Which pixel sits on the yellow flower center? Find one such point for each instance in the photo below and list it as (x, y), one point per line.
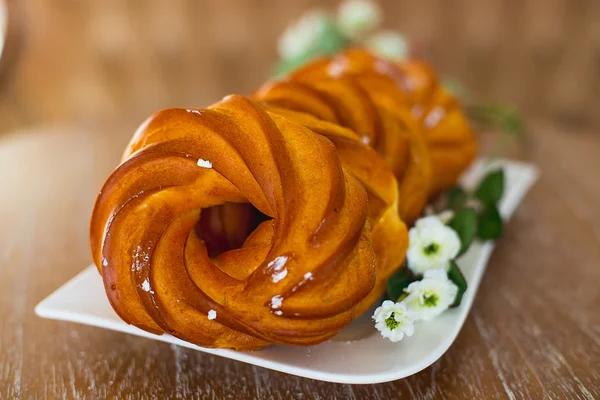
(431, 248)
(430, 299)
(391, 322)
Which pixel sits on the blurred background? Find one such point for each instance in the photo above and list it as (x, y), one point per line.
(72, 62)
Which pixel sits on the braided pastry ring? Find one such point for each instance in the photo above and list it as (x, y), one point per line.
(408, 87)
(157, 271)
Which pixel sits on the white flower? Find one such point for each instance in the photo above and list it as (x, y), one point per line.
(388, 44)
(298, 39)
(356, 17)
(430, 296)
(431, 245)
(393, 321)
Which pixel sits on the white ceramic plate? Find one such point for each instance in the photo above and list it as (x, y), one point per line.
(358, 354)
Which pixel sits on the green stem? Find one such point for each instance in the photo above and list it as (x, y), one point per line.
(496, 116)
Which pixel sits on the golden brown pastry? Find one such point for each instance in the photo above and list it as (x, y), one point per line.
(400, 110)
(389, 234)
(279, 219)
(408, 87)
(394, 134)
(195, 177)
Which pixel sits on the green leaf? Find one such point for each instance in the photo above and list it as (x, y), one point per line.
(328, 42)
(398, 282)
(494, 115)
(284, 67)
(512, 122)
(331, 40)
(456, 88)
(491, 188)
(457, 198)
(489, 224)
(459, 280)
(465, 225)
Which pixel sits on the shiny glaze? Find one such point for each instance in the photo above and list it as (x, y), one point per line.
(398, 109)
(156, 269)
(342, 102)
(410, 90)
(243, 224)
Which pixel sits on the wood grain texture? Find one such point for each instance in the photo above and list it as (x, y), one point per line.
(534, 331)
(90, 60)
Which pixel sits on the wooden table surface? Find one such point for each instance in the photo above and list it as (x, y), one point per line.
(534, 331)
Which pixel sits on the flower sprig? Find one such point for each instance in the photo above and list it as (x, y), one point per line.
(431, 281)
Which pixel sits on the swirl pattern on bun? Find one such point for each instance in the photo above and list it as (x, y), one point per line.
(295, 275)
(276, 219)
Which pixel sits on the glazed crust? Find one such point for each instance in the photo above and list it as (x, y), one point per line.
(392, 133)
(157, 272)
(409, 90)
(332, 159)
